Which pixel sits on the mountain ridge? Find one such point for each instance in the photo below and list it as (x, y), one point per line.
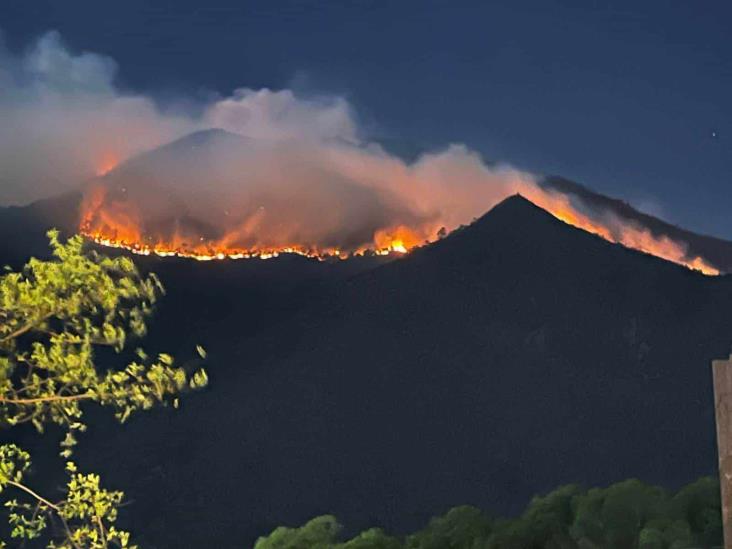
(715, 249)
(509, 357)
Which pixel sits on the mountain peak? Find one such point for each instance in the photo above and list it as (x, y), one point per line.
(202, 137)
(518, 234)
(515, 213)
(515, 204)
(185, 154)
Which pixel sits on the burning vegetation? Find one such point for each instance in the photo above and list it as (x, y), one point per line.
(116, 222)
(614, 229)
(217, 195)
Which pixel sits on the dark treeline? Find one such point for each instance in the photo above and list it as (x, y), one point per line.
(627, 515)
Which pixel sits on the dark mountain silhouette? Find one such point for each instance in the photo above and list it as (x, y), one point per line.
(194, 157)
(23, 228)
(716, 250)
(512, 356)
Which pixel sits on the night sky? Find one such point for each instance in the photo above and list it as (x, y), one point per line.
(630, 98)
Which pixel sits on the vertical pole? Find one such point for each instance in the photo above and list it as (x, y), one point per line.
(722, 372)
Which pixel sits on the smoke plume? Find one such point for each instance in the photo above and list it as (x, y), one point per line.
(66, 123)
(258, 171)
(63, 120)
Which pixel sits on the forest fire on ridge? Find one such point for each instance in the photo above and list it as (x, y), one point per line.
(117, 223)
(620, 231)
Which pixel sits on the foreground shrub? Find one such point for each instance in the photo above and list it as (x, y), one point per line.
(626, 515)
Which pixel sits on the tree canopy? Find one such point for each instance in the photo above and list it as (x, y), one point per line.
(54, 317)
(626, 515)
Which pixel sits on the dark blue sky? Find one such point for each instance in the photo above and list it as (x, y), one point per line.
(623, 96)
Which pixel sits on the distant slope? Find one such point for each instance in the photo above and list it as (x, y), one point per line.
(194, 153)
(514, 355)
(193, 158)
(716, 250)
(23, 228)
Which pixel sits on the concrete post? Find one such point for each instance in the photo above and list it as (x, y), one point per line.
(722, 372)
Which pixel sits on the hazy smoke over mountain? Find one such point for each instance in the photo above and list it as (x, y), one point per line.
(286, 171)
(314, 194)
(68, 123)
(62, 118)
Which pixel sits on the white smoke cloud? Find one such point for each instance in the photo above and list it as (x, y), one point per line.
(298, 171)
(275, 116)
(63, 120)
(321, 181)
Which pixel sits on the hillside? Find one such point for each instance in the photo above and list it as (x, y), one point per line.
(717, 251)
(512, 356)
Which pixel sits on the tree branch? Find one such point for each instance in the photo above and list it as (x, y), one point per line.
(30, 492)
(53, 506)
(26, 328)
(38, 400)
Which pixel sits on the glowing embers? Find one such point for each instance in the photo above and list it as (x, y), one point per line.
(157, 223)
(614, 229)
(112, 219)
(211, 254)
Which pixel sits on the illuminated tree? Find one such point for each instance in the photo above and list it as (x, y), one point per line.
(629, 514)
(322, 533)
(319, 533)
(457, 529)
(53, 316)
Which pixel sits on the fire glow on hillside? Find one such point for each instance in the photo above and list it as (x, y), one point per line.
(117, 223)
(620, 231)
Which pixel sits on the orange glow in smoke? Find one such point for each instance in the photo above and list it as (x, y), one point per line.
(106, 164)
(116, 223)
(620, 232)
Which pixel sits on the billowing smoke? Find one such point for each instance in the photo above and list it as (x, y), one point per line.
(302, 173)
(219, 191)
(258, 171)
(63, 120)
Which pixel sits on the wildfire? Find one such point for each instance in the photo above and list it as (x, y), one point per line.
(113, 223)
(620, 232)
(211, 250)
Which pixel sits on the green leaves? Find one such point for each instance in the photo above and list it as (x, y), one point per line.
(87, 512)
(54, 315)
(200, 380)
(201, 351)
(14, 462)
(626, 514)
(319, 533)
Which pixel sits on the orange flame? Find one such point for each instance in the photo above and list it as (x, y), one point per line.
(115, 223)
(620, 232)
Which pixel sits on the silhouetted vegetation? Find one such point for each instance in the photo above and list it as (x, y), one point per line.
(483, 369)
(54, 316)
(626, 515)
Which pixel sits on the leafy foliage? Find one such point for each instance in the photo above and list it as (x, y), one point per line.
(457, 529)
(626, 515)
(54, 315)
(322, 533)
